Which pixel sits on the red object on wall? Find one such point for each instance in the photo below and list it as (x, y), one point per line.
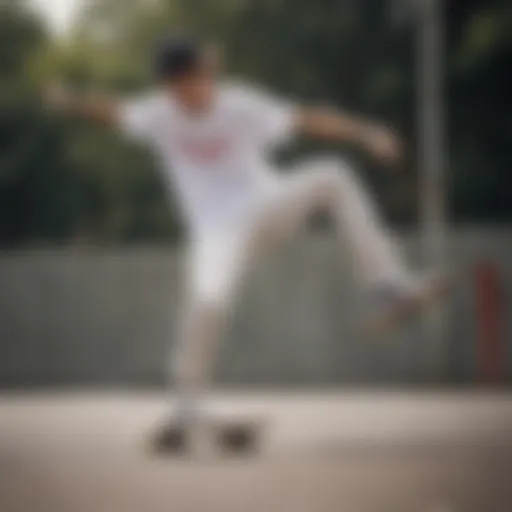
(490, 322)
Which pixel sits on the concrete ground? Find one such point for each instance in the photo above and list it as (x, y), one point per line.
(337, 452)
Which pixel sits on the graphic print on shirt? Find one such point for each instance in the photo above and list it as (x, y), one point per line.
(204, 150)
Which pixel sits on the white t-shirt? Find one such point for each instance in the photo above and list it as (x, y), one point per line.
(217, 163)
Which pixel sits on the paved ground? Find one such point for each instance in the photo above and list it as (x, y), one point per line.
(324, 453)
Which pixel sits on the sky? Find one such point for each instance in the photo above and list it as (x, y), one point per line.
(58, 13)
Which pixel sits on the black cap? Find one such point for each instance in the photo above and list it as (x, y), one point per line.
(177, 56)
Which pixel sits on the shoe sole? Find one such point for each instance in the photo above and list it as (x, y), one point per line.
(385, 323)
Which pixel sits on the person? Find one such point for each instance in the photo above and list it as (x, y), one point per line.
(214, 139)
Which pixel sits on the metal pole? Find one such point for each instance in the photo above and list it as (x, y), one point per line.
(431, 147)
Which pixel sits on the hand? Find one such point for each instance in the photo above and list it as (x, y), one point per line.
(383, 144)
(58, 97)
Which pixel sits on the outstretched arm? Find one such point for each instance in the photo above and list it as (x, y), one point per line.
(135, 118)
(98, 108)
(335, 126)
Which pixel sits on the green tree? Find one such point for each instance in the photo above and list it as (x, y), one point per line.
(31, 202)
(65, 180)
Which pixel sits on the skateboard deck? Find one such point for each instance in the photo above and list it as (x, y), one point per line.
(237, 436)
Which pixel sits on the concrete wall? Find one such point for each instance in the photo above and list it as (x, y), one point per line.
(109, 316)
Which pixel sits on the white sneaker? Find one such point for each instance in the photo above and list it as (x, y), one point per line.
(391, 303)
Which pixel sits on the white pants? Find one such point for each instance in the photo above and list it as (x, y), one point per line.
(220, 259)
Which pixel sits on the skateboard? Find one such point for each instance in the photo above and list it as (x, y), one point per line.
(230, 436)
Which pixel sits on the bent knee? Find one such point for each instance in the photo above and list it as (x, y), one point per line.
(330, 170)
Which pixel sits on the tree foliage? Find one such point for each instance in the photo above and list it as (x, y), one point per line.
(62, 181)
